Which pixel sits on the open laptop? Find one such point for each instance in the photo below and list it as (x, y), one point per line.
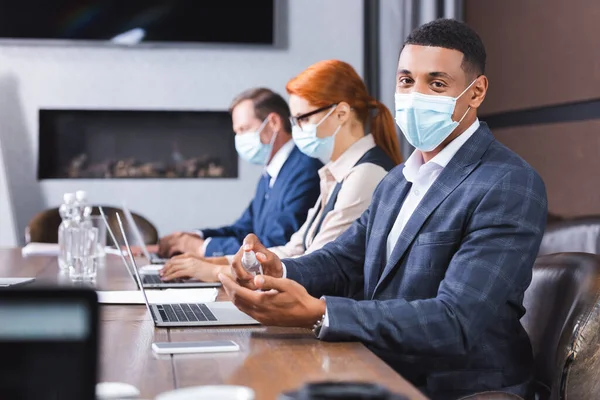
(153, 258)
(182, 315)
(150, 279)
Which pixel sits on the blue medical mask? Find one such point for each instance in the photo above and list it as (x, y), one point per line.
(251, 149)
(310, 144)
(426, 120)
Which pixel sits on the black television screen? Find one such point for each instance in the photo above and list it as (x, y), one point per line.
(140, 21)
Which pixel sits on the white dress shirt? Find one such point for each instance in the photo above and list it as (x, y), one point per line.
(421, 175)
(273, 169)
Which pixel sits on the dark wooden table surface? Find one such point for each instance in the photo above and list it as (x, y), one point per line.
(271, 360)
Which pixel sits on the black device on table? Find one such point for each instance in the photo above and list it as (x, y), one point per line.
(48, 343)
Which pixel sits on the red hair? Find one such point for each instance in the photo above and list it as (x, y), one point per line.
(333, 81)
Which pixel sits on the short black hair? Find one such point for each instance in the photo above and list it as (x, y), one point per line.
(265, 102)
(454, 35)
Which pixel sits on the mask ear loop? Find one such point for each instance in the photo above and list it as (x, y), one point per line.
(464, 115)
(327, 115)
(464, 91)
(271, 142)
(460, 95)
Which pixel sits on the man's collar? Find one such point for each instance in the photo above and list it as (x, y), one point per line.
(415, 161)
(274, 167)
(443, 157)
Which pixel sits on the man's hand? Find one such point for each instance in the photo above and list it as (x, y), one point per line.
(282, 302)
(179, 243)
(192, 266)
(271, 264)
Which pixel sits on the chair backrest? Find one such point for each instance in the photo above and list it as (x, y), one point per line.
(43, 228)
(562, 321)
(580, 234)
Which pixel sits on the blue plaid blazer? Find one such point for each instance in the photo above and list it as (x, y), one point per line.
(444, 310)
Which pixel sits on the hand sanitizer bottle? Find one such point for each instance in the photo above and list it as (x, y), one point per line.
(250, 263)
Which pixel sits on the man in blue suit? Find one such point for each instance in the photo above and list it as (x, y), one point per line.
(288, 188)
(431, 278)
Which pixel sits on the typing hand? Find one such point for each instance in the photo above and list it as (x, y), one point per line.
(179, 243)
(283, 302)
(191, 266)
(136, 251)
(271, 264)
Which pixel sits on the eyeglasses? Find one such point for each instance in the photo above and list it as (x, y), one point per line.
(303, 118)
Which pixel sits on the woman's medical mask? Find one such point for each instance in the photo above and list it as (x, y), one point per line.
(310, 144)
(426, 120)
(251, 149)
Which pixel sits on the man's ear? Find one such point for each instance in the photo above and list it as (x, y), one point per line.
(275, 122)
(479, 91)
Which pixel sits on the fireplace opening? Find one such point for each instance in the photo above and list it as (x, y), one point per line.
(113, 144)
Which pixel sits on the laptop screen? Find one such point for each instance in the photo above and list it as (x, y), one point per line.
(48, 344)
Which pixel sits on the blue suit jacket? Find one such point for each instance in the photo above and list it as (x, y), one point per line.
(444, 310)
(276, 213)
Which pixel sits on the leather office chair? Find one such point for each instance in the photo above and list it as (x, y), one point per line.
(563, 323)
(43, 228)
(571, 235)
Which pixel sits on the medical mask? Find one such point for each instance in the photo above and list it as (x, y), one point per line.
(310, 144)
(251, 149)
(426, 120)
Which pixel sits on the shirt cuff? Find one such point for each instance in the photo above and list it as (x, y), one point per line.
(205, 246)
(325, 325)
(198, 233)
(284, 272)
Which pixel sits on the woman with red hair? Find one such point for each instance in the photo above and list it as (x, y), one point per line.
(335, 120)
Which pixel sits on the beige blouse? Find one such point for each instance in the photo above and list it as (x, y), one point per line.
(353, 199)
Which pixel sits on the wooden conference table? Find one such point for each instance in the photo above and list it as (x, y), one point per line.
(271, 360)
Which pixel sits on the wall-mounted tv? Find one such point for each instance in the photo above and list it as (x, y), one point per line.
(131, 22)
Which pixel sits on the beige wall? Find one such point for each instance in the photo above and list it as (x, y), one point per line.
(567, 156)
(540, 53)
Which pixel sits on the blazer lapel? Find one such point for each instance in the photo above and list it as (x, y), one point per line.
(383, 223)
(461, 165)
(269, 195)
(260, 201)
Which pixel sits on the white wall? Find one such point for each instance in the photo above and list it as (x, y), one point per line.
(202, 78)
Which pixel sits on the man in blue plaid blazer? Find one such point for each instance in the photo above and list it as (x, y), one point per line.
(431, 278)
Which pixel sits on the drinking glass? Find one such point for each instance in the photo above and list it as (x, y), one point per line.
(84, 248)
(96, 221)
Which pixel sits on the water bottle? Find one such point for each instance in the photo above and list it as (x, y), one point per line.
(250, 263)
(66, 213)
(84, 260)
(83, 209)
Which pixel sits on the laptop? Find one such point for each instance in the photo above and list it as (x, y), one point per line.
(153, 258)
(11, 282)
(186, 315)
(151, 279)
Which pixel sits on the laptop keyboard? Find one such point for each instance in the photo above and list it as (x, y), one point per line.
(154, 279)
(151, 279)
(185, 313)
